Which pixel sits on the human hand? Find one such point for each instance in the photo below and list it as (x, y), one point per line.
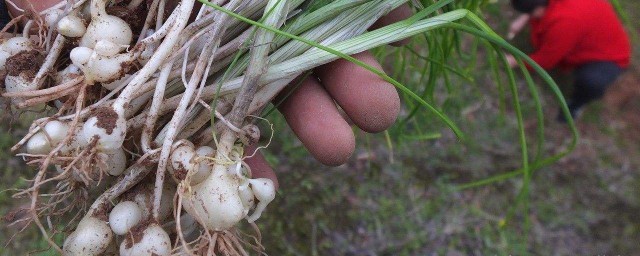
(370, 102)
(517, 25)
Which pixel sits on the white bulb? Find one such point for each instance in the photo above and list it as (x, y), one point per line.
(4, 55)
(108, 127)
(80, 55)
(107, 27)
(106, 48)
(51, 16)
(204, 167)
(71, 26)
(216, 201)
(18, 84)
(115, 161)
(183, 161)
(56, 130)
(17, 44)
(124, 216)
(155, 241)
(91, 237)
(248, 198)
(105, 69)
(265, 192)
(38, 144)
(75, 143)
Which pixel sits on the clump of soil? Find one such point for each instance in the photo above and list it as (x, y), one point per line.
(181, 173)
(95, 92)
(26, 63)
(130, 67)
(102, 213)
(107, 118)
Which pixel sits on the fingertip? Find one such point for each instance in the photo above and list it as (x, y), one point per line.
(337, 149)
(387, 103)
(372, 103)
(312, 115)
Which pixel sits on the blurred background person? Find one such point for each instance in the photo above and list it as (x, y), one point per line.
(583, 36)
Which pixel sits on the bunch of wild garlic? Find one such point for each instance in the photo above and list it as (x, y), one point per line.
(135, 86)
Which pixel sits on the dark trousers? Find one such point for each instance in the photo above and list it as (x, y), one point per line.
(592, 80)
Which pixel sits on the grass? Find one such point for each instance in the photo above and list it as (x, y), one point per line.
(585, 204)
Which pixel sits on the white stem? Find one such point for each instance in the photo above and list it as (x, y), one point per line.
(134, 4)
(195, 123)
(179, 113)
(50, 60)
(98, 7)
(27, 28)
(158, 58)
(152, 117)
(160, 16)
(162, 30)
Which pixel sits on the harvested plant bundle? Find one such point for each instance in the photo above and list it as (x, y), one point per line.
(135, 86)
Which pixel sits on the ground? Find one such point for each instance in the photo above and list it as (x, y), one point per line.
(406, 200)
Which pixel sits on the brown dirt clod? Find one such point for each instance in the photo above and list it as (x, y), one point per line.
(102, 213)
(107, 118)
(180, 173)
(26, 63)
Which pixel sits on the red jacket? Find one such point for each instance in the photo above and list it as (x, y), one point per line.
(574, 32)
